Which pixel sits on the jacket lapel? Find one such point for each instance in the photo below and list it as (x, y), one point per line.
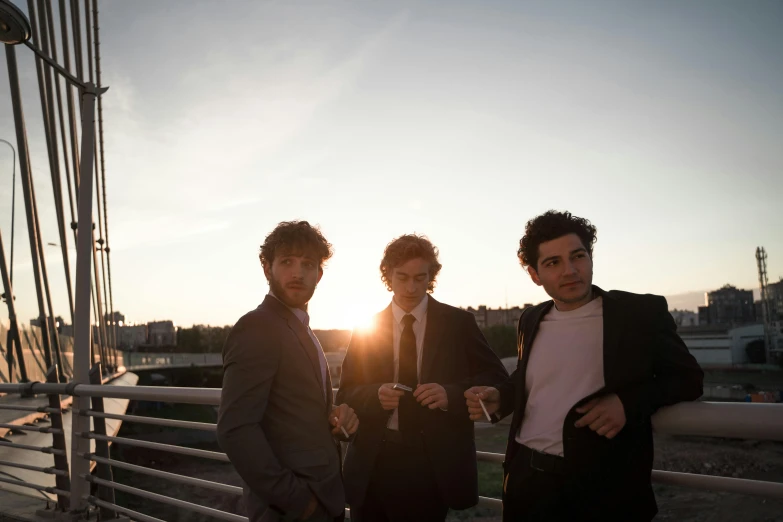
(384, 343)
(612, 330)
(433, 334)
(305, 342)
(329, 391)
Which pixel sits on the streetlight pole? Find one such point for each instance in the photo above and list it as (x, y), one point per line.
(15, 29)
(13, 342)
(13, 203)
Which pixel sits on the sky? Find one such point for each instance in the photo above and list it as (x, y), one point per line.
(660, 122)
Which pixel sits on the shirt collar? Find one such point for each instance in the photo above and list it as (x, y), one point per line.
(419, 312)
(298, 312)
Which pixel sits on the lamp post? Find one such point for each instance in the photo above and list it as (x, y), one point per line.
(15, 29)
(13, 342)
(13, 202)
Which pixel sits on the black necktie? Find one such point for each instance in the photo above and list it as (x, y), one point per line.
(407, 413)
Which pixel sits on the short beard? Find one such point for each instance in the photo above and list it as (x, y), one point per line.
(280, 292)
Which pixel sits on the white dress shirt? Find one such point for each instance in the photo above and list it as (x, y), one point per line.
(419, 327)
(305, 318)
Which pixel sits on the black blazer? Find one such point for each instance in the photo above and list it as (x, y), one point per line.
(455, 355)
(273, 421)
(648, 366)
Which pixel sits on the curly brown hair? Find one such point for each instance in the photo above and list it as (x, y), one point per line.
(403, 249)
(295, 237)
(552, 225)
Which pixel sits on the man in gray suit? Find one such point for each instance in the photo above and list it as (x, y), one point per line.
(277, 422)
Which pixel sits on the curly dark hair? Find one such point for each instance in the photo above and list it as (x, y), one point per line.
(403, 249)
(552, 225)
(295, 237)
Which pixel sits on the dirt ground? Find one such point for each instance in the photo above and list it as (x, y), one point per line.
(721, 457)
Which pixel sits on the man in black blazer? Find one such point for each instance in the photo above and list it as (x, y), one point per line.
(277, 423)
(593, 367)
(414, 457)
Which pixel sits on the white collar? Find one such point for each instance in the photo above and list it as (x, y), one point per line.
(419, 312)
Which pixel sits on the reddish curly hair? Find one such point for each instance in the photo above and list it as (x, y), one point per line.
(403, 249)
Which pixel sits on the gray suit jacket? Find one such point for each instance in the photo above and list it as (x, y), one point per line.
(273, 421)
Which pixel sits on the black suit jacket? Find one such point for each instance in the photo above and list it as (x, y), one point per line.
(456, 356)
(648, 366)
(273, 421)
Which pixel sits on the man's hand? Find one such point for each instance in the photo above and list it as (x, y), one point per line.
(605, 415)
(310, 509)
(432, 395)
(390, 398)
(490, 397)
(343, 416)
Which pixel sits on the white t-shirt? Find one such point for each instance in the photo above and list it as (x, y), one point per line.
(566, 365)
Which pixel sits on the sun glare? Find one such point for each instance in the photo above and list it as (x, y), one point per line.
(362, 321)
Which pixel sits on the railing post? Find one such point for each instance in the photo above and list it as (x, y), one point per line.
(58, 442)
(101, 446)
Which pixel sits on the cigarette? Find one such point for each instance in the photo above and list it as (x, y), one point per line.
(345, 432)
(485, 410)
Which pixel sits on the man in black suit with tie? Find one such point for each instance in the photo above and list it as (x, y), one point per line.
(277, 423)
(593, 367)
(414, 457)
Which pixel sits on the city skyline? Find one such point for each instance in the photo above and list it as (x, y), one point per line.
(659, 123)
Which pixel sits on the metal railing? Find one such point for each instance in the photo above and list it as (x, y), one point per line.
(57, 449)
(732, 420)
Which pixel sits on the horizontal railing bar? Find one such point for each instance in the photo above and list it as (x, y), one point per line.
(710, 419)
(207, 396)
(39, 409)
(168, 500)
(491, 503)
(38, 429)
(692, 480)
(737, 420)
(723, 484)
(46, 449)
(214, 455)
(205, 426)
(30, 485)
(486, 456)
(48, 471)
(224, 488)
(34, 388)
(135, 515)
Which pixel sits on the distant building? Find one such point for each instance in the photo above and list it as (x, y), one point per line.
(486, 317)
(723, 346)
(131, 337)
(116, 318)
(161, 333)
(685, 317)
(776, 300)
(728, 306)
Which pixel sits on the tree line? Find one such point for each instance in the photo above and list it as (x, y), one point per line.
(201, 339)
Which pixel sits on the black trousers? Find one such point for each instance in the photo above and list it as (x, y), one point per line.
(402, 488)
(538, 488)
(532, 495)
